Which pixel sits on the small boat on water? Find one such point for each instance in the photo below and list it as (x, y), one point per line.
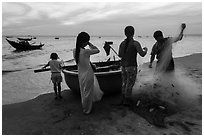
(22, 45)
(22, 38)
(107, 73)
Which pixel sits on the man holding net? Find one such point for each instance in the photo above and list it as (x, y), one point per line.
(162, 49)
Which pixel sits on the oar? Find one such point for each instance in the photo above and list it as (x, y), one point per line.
(46, 69)
(41, 70)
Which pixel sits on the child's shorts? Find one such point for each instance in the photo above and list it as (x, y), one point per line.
(56, 77)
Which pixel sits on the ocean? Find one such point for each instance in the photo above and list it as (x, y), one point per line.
(20, 83)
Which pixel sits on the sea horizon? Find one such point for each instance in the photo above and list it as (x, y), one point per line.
(61, 35)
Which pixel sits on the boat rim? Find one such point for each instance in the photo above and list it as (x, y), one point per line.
(96, 73)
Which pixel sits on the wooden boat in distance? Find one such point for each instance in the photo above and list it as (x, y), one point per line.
(27, 39)
(24, 45)
(107, 73)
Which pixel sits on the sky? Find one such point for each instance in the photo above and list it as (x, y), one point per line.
(100, 19)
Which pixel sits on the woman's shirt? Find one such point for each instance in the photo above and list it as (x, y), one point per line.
(84, 58)
(128, 57)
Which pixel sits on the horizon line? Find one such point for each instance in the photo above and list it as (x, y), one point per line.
(91, 35)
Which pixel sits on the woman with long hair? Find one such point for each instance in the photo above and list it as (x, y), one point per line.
(128, 52)
(89, 87)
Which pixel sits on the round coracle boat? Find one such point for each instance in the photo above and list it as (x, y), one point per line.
(107, 73)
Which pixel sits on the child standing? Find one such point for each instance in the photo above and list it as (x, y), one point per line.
(56, 67)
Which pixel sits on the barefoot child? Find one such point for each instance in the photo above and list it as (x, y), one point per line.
(55, 67)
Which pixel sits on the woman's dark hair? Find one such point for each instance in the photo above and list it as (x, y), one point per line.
(157, 34)
(54, 56)
(81, 38)
(129, 33)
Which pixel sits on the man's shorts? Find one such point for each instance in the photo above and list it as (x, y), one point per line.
(56, 77)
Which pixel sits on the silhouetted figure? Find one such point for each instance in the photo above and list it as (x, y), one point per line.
(56, 68)
(162, 49)
(88, 83)
(128, 52)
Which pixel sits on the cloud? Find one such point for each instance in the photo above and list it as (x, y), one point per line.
(106, 11)
(133, 10)
(36, 14)
(17, 13)
(70, 13)
(90, 16)
(14, 9)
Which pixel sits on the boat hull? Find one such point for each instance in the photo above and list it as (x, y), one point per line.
(110, 82)
(28, 39)
(23, 47)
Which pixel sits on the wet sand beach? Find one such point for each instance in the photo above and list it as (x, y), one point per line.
(45, 116)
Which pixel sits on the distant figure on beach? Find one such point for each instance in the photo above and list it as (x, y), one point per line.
(128, 52)
(162, 49)
(56, 67)
(89, 87)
